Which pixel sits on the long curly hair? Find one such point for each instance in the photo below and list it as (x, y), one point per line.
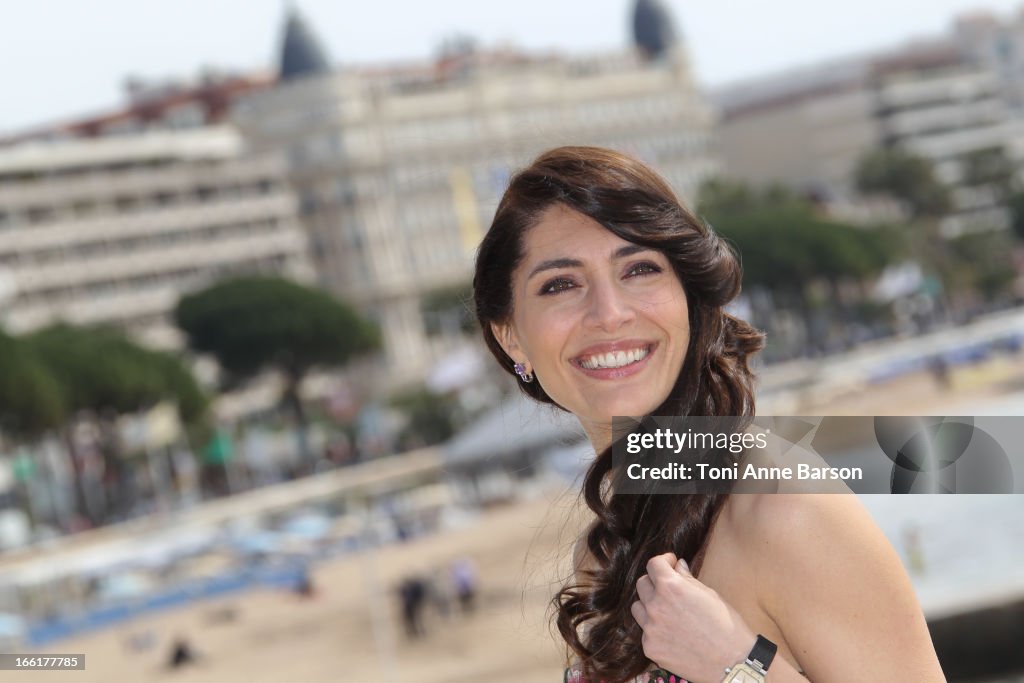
(636, 204)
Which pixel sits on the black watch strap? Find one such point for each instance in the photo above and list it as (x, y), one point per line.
(762, 653)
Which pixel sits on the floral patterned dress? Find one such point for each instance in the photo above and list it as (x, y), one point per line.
(575, 675)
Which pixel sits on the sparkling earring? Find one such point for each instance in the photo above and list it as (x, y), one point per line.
(520, 369)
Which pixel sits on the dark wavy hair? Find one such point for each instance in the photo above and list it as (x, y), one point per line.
(636, 204)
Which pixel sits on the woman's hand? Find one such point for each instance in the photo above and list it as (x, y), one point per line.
(688, 628)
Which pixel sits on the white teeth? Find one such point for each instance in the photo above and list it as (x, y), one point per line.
(616, 359)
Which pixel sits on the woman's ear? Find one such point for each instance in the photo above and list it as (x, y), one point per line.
(506, 336)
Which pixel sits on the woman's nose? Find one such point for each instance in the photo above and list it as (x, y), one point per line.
(608, 308)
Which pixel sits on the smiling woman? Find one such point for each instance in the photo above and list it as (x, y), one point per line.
(603, 324)
(593, 275)
(606, 296)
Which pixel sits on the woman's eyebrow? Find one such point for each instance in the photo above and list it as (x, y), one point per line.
(629, 250)
(554, 264)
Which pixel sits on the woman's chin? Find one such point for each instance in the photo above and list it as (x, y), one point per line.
(624, 409)
(599, 409)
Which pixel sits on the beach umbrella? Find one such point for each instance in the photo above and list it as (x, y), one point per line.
(309, 527)
(259, 543)
(11, 625)
(125, 586)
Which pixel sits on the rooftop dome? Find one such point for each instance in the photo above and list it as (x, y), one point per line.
(301, 54)
(653, 30)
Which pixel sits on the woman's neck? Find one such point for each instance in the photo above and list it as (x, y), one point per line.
(599, 434)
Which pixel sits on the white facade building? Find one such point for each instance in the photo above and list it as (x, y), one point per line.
(934, 102)
(805, 128)
(398, 170)
(998, 44)
(115, 229)
(809, 128)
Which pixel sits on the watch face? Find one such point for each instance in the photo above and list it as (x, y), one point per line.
(744, 673)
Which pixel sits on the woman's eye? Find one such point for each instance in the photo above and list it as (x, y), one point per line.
(557, 285)
(644, 268)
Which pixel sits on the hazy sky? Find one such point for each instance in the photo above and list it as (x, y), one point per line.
(63, 58)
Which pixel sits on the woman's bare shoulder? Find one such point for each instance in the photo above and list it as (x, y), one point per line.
(796, 540)
(831, 580)
(790, 517)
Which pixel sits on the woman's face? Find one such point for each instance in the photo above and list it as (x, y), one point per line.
(600, 321)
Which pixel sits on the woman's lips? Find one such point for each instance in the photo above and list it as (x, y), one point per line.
(619, 372)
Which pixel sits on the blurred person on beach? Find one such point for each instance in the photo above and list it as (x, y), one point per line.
(304, 587)
(605, 296)
(938, 366)
(412, 594)
(465, 580)
(182, 653)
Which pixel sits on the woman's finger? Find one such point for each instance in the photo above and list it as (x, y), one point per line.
(661, 567)
(683, 568)
(639, 613)
(645, 588)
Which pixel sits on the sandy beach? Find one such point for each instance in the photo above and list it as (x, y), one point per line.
(967, 390)
(351, 629)
(333, 636)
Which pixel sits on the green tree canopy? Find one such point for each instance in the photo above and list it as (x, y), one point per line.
(784, 244)
(254, 323)
(102, 374)
(906, 177)
(991, 167)
(431, 417)
(983, 262)
(449, 307)
(1015, 205)
(181, 385)
(101, 370)
(31, 401)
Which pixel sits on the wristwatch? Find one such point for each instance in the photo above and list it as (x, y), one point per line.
(755, 667)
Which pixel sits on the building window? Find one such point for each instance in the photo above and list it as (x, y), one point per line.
(40, 214)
